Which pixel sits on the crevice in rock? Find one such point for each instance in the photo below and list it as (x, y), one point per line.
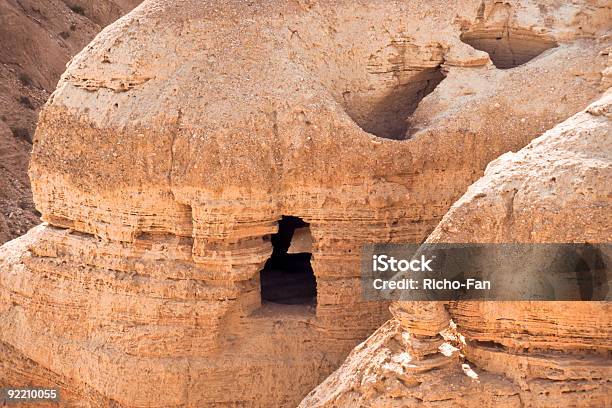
(508, 47)
(287, 276)
(386, 115)
(591, 272)
(490, 344)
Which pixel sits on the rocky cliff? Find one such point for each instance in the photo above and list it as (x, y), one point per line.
(38, 38)
(180, 143)
(536, 354)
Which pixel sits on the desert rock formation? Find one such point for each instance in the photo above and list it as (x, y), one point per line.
(537, 354)
(182, 138)
(38, 38)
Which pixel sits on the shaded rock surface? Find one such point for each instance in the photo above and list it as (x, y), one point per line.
(537, 354)
(176, 141)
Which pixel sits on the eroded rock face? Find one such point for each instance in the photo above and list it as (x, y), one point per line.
(183, 133)
(538, 354)
(38, 38)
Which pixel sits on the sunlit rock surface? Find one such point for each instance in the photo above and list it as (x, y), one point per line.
(536, 354)
(184, 132)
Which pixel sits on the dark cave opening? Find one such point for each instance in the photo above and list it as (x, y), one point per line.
(591, 273)
(387, 115)
(508, 47)
(288, 277)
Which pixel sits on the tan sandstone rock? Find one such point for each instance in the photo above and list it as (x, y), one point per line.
(177, 140)
(536, 354)
(37, 39)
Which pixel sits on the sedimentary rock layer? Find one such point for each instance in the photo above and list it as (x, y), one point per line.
(536, 354)
(38, 38)
(183, 133)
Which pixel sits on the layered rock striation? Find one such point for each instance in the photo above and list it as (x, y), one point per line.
(38, 39)
(180, 137)
(536, 354)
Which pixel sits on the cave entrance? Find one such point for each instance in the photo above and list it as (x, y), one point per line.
(288, 277)
(386, 115)
(508, 47)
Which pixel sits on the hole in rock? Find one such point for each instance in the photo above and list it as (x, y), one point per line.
(288, 277)
(508, 48)
(591, 273)
(385, 115)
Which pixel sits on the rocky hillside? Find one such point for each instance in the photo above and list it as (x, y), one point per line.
(503, 354)
(38, 38)
(192, 142)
